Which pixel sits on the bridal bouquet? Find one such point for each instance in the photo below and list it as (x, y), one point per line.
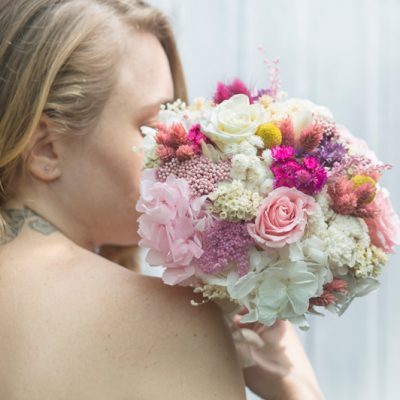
(266, 201)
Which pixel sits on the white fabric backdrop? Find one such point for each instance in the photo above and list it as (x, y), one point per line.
(342, 54)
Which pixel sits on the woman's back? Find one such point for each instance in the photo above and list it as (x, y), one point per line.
(76, 326)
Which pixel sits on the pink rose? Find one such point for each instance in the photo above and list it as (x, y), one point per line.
(384, 227)
(171, 226)
(282, 217)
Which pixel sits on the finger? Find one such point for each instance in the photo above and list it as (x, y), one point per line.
(251, 337)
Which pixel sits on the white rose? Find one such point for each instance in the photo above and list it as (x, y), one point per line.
(234, 120)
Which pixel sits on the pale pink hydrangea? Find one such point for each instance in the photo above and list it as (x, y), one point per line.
(171, 226)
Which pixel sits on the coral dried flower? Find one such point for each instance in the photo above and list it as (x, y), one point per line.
(287, 130)
(310, 138)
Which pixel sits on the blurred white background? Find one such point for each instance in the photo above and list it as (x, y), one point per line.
(342, 54)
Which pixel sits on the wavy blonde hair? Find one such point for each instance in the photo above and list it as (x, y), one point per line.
(60, 58)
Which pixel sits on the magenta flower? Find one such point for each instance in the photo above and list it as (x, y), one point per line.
(196, 136)
(285, 173)
(311, 163)
(282, 153)
(225, 92)
(308, 177)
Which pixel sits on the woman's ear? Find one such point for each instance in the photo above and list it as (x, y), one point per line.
(43, 156)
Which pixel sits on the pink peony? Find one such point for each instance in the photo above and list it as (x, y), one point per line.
(384, 226)
(171, 226)
(282, 218)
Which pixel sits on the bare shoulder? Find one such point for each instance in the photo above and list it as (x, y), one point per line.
(141, 331)
(92, 329)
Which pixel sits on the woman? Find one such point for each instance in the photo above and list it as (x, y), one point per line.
(78, 78)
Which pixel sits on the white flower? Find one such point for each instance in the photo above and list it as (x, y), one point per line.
(185, 117)
(267, 157)
(149, 146)
(323, 200)
(248, 169)
(282, 291)
(315, 252)
(266, 187)
(234, 120)
(256, 141)
(245, 147)
(316, 225)
(240, 163)
(345, 234)
(231, 149)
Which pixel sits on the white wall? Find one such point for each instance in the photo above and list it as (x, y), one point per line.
(342, 54)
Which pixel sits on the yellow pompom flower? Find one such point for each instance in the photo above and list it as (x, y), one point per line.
(270, 134)
(359, 180)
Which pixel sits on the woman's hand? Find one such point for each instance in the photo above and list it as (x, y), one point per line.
(282, 370)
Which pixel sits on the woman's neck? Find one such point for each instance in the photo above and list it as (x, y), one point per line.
(17, 218)
(20, 217)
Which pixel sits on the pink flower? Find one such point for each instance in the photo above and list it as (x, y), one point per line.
(282, 218)
(196, 136)
(384, 226)
(282, 153)
(184, 152)
(287, 130)
(310, 138)
(225, 92)
(171, 226)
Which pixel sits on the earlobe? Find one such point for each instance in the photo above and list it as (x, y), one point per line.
(43, 160)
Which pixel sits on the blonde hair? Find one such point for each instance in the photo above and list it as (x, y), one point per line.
(60, 58)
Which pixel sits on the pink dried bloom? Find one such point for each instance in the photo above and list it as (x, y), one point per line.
(337, 285)
(287, 130)
(328, 297)
(177, 135)
(343, 196)
(224, 243)
(311, 163)
(322, 301)
(225, 92)
(327, 126)
(196, 136)
(285, 173)
(162, 138)
(350, 201)
(165, 153)
(201, 173)
(184, 152)
(310, 138)
(309, 177)
(282, 153)
(319, 179)
(359, 165)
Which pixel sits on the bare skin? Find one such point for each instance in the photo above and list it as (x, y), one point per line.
(75, 325)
